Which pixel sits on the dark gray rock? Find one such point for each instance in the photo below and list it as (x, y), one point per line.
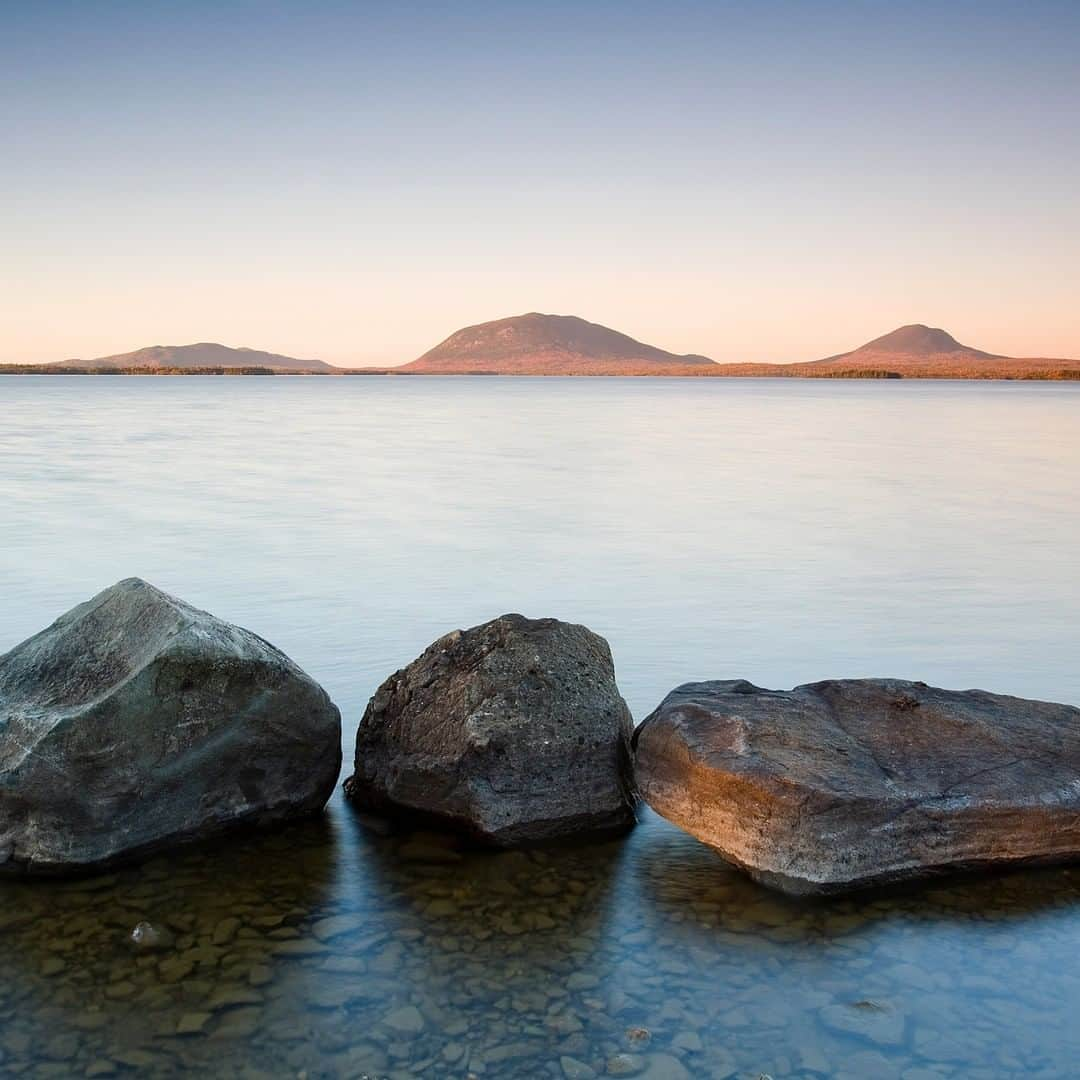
(849, 783)
(136, 722)
(513, 732)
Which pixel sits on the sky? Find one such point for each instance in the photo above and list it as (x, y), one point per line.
(354, 181)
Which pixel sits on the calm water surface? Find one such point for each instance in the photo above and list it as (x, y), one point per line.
(776, 531)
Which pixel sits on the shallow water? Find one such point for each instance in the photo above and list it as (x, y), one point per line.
(777, 531)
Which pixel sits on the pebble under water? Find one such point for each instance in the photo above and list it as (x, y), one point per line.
(335, 949)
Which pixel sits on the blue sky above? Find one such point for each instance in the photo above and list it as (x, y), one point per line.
(773, 181)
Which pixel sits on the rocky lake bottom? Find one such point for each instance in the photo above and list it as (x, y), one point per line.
(330, 949)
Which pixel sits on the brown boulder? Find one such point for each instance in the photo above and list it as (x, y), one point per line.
(849, 783)
(513, 732)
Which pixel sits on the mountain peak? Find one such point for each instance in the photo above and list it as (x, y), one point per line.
(916, 339)
(913, 345)
(540, 344)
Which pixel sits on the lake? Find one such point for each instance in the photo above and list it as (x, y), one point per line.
(781, 531)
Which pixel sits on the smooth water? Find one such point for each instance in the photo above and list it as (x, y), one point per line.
(780, 531)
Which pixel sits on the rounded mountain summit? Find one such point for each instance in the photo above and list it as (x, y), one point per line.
(537, 344)
(914, 344)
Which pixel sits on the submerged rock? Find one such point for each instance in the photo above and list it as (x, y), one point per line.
(513, 731)
(849, 783)
(148, 937)
(136, 722)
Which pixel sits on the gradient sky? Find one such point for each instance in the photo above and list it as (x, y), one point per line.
(766, 181)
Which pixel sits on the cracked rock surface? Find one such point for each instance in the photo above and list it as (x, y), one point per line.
(136, 722)
(849, 783)
(513, 732)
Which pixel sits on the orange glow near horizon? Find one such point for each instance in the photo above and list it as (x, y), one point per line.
(354, 183)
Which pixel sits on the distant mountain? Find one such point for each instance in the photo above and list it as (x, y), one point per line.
(914, 344)
(536, 344)
(203, 355)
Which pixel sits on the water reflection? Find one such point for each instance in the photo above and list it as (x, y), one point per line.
(673, 870)
(333, 949)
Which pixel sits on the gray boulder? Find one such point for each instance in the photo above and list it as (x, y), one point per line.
(849, 783)
(136, 722)
(513, 732)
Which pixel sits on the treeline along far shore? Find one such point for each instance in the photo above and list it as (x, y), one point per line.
(723, 371)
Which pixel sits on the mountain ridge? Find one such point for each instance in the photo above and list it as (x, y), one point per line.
(202, 354)
(539, 344)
